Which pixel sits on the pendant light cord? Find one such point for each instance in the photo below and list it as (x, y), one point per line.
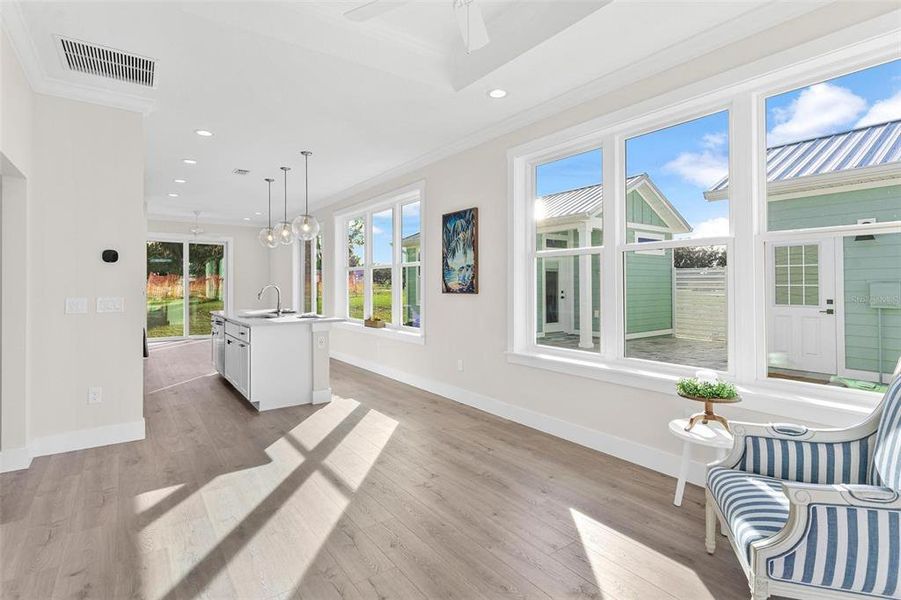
(269, 182)
(285, 171)
(306, 177)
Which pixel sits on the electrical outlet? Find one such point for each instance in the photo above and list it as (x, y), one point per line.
(95, 395)
(459, 364)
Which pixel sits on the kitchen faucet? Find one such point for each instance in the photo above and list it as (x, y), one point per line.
(278, 297)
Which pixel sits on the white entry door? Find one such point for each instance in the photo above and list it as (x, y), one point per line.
(558, 286)
(802, 307)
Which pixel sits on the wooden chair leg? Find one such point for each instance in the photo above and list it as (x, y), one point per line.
(710, 525)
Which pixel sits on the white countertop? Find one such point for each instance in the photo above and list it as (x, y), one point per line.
(287, 319)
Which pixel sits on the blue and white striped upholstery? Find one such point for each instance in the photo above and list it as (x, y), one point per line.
(809, 462)
(887, 457)
(846, 548)
(753, 505)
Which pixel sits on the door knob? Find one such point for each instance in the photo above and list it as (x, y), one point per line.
(828, 311)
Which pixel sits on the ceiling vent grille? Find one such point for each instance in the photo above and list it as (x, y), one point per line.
(241, 171)
(107, 62)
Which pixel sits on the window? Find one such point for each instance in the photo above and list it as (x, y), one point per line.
(381, 251)
(177, 270)
(833, 313)
(310, 260)
(754, 230)
(676, 305)
(568, 234)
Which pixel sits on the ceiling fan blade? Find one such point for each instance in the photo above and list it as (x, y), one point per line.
(471, 24)
(372, 9)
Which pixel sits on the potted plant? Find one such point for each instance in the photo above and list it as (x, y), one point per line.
(708, 389)
(374, 322)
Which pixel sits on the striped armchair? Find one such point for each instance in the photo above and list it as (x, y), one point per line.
(814, 513)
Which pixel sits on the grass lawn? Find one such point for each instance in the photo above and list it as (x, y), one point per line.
(165, 317)
(381, 304)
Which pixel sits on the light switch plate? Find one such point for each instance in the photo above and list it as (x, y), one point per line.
(76, 306)
(95, 395)
(111, 304)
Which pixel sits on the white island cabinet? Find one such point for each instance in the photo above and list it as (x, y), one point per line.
(274, 362)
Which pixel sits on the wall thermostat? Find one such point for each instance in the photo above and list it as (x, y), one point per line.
(110, 256)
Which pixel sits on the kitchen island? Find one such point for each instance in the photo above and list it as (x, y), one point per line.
(273, 361)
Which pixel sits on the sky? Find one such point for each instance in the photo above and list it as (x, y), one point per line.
(686, 159)
(382, 233)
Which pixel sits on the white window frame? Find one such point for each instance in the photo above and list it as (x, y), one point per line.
(395, 201)
(650, 236)
(301, 263)
(186, 239)
(743, 93)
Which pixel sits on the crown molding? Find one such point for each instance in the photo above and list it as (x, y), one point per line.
(13, 23)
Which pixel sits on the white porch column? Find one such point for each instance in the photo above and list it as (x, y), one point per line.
(586, 326)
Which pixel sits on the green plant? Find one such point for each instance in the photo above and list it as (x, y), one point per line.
(689, 386)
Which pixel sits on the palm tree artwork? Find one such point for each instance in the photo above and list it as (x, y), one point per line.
(460, 252)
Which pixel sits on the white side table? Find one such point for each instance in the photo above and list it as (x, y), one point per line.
(711, 434)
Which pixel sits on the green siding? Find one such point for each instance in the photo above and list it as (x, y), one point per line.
(842, 208)
(865, 261)
(649, 292)
(639, 211)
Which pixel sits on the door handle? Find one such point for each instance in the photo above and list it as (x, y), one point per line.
(562, 294)
(828, 311)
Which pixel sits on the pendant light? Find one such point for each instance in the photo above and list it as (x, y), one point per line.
(305, 226)
(267, 235)
(196, 229)
(283, 232)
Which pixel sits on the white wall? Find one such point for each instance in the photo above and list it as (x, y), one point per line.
(251, 268)
(84, 194)
(615, 418)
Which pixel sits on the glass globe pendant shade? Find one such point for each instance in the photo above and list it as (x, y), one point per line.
(283, 233)
(267, 238)
(306, 227)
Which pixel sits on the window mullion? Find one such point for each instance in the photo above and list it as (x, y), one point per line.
(612, 309)
(367, 266)
(396, 261)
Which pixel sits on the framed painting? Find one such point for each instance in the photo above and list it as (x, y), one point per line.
(460, 252)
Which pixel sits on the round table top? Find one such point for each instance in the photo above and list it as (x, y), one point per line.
(711, 434)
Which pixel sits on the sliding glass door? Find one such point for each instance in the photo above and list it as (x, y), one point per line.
(180, 270)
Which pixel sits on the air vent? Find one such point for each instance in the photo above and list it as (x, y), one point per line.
(107, 62)
(241, 171)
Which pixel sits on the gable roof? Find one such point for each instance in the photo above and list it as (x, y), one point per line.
(588, 201)
(861, 148)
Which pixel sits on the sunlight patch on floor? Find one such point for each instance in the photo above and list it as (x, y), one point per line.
(257, 530)
(612, 554)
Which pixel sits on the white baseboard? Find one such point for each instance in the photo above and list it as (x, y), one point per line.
(634, 452)
(14, 459)
(20, 458)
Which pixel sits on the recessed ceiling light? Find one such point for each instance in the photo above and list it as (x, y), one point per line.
(179, 181)
(497, 93)
(203, 132)
(189, 161)
(173, 195)
(246, 218)
(257, 213)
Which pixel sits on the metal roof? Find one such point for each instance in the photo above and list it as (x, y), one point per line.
(580, 201)
(871, 146)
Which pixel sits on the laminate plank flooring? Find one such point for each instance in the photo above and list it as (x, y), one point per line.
(387, 492)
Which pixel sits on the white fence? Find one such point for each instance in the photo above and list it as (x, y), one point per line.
(699, 297)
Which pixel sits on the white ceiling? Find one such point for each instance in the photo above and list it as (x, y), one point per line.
(273, 78)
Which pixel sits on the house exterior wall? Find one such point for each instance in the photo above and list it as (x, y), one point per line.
(864, 261)
(649, 277)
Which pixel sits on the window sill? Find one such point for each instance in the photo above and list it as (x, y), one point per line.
(807, 402)
(391, 333)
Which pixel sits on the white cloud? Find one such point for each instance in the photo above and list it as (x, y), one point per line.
(888, 109)
(818, 110)
(700, 168)
(714, 140)
(715, 227)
